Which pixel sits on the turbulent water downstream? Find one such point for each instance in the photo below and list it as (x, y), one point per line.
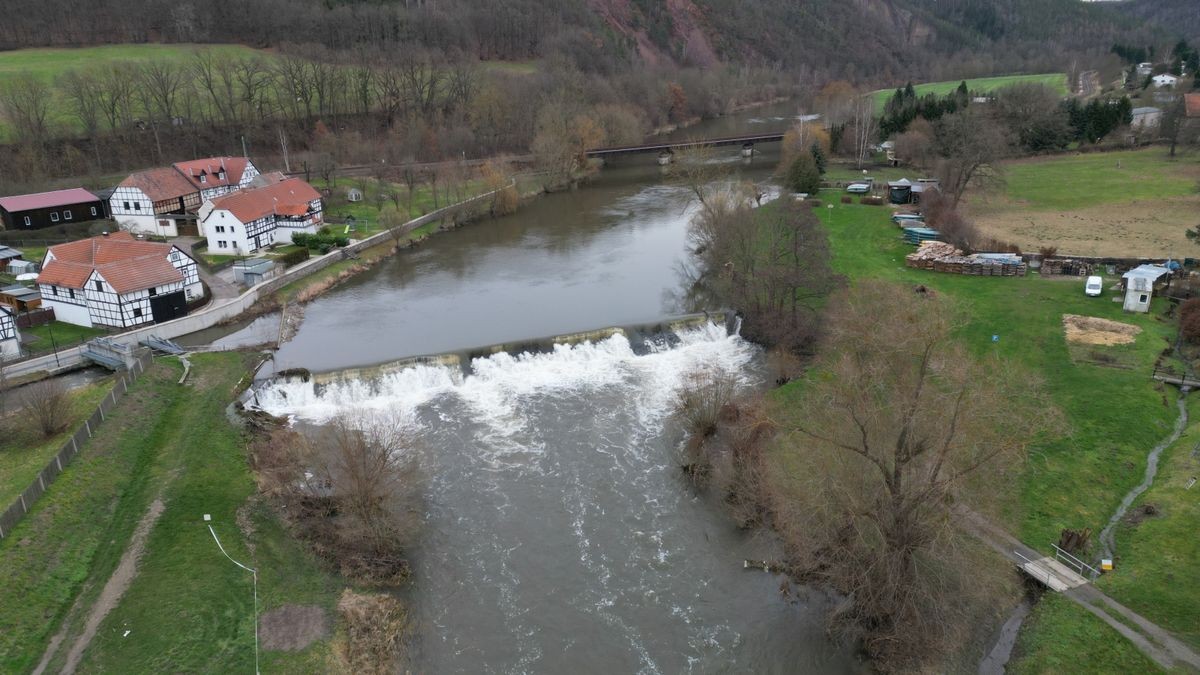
(560, 535)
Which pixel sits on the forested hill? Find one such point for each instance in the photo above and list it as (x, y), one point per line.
(1182, 17)
(858, 39)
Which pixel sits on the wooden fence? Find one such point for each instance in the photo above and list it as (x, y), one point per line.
(24, 502)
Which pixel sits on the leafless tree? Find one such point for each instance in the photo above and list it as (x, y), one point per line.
(26, 102)
(865, 127)
(971, 144)
(47, 404)
(901, 423)
(82, 90)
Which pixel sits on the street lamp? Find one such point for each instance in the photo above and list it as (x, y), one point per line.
(53, 344)
(253, 572)
(830, 207)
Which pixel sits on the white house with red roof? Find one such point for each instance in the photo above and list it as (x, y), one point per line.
(158, 201)
(117, 280)
(247, 220)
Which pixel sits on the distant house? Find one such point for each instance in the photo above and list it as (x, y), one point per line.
(162, 200)
(248, 220)
(1146, 117)
(1144, 69)
(44, 209)
(1165, 80)
(1139, 286)
(10, 337)
(119, 281)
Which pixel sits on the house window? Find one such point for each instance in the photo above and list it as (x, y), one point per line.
(126, 205)
(71, 293)
(93, 210)
(28, 223)
(99, 285)
(67, 214)
(54, 216)
(153, 292)
(220, 228)
(203, 178)
(54, 289)
(1143, 298)
(221, 244)
(137, 206)
(137, 312)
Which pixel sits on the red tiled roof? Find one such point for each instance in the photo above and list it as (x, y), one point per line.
(127, 264)
(210, 167)
(46, 200)
(160, 184)
(289, 198)
(1192, 101)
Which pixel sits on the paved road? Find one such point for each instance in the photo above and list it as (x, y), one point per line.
(220, 287)
(1089, 83)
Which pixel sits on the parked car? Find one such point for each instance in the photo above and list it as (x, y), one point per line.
(858, 188)
(1094, 286)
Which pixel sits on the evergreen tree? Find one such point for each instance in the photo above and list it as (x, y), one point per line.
(803, 175)
(818, 157)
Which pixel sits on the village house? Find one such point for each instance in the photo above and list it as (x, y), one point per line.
(163, 201)
(117, 280)
(248, 220)
(1146, 117)
(1144, 69)
(44, 209)
(1165, 80)
(10, 337)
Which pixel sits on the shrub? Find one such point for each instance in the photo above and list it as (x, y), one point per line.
(803, 175)
(873, 200)
(1189, 320)
(813, 203)
(323, 241)
(847, 199)
(1048, 251)
(294, 257)
(47, 404)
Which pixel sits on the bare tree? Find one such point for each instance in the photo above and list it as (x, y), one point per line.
(970, 144)
(82, 90)
(901, 423)
(865, 125)
(26, 101)
(47, 405)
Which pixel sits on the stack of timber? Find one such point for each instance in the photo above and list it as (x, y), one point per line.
(942, 257)
(1067, 267)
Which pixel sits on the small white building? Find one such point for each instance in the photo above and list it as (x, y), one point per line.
(1165, 80)
(159, 201)
(118, 281)
(248, 220)
(10, 337)
(1144, 69)
(1146, 117)
(1139, 286)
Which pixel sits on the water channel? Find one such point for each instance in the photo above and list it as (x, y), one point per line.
(560, 535)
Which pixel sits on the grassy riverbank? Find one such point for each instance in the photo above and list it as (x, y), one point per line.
(1114, 414)
(187, 609)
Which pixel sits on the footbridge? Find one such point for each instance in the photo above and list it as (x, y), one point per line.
(670, 147)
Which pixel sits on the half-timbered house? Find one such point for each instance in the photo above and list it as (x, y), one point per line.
(10, 337)
(245, 221)
(163, 201)
(118, 281)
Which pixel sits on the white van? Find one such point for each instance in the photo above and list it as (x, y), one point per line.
(1094, 286)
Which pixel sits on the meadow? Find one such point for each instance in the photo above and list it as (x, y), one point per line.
(1055, 81)
(1075, 477)
(1134, 203)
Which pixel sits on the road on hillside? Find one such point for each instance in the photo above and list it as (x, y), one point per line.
(1089, 83)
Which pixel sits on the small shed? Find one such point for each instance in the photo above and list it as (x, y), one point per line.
(19, 267)
(900, 191)
(1139, 286)
(20, 298)
(354, 195)
(8, 253)
(252, 271)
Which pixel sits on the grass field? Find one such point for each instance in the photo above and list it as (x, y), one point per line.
(57, 335)
(24, 451)
(1055, 81)
(188, 609)
(1062, 637)
(1123, 204)
(1113, 415)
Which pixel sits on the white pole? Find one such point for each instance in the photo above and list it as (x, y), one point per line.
(253, 573)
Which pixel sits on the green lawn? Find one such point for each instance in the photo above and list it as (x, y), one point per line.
(1062, 637)
(1113, 415)
(366, 212)
(58, 333)
(24, 451)
(189, 609)
(1056, 81)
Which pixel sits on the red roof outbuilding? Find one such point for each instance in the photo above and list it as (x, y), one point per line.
(47, 200)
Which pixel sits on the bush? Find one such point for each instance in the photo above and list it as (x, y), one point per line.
(803, 175)
(1189, 320)
(294, 257)
(813, 203)
(323, 241)
(847, 199)
(871, 201)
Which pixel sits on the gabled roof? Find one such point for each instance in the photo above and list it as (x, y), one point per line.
(217, 171)
(289, 198)
(1192, 101)
(160, 184)
(47, 200)
(127, 264)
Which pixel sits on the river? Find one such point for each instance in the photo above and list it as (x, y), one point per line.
(559, 532)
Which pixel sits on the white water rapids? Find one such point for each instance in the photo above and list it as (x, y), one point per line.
(560, 535)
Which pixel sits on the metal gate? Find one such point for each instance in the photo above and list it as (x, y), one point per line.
(168, 306)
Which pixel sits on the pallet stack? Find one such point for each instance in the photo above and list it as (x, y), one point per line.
(1066, 267)
(942, 257)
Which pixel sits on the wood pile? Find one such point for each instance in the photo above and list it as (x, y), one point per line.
(942, 257)
(1067, 267)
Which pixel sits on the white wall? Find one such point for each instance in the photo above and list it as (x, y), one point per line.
(67, 312)
(11, 348)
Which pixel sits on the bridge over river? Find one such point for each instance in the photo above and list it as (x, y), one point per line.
(671, 146)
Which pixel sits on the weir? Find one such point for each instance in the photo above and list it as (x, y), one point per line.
(640, 336)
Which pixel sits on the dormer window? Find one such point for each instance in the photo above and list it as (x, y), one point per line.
(221, 174)
(203, 178)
